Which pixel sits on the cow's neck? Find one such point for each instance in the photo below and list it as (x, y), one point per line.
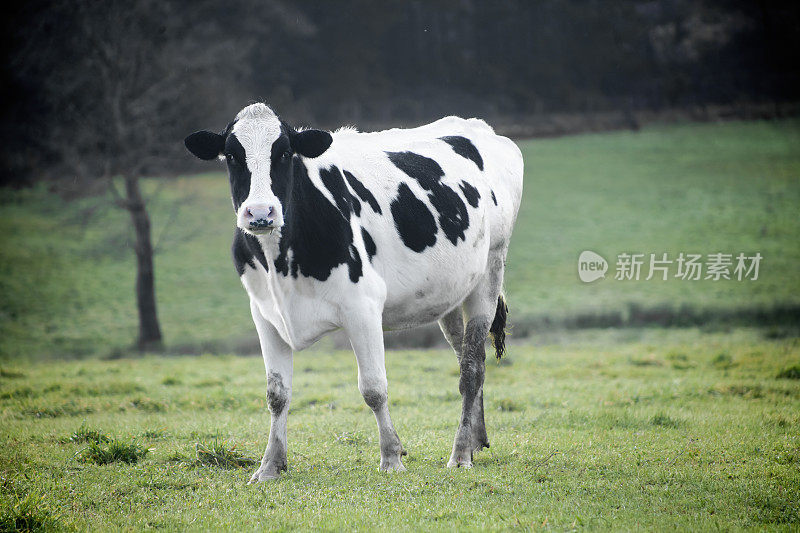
(317, 236)
(289, 283)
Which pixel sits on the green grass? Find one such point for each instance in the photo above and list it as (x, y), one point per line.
(85, 434)
(792, 372)
(114, 451)
(221, 454)
(67, 269)
(26, 513)
(584, 435)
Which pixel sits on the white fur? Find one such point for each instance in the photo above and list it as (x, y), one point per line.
(256, 128)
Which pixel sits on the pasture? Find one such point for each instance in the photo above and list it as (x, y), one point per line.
(627, 429)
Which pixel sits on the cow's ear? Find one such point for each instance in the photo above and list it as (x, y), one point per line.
(311, 143)
(205, 144)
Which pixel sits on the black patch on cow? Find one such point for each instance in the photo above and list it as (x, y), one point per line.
(464, 147)
(362, 192)
(354, 265)
(277, 394)
(238, 172)
(453, 216)
(494, 199)
(317, 232)
(470, 193)
(414, 222)
(346, 202)
(245, 249)
(369, 244)
(281, 160)
(375, 399)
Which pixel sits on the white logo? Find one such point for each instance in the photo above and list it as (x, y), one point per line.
(591, 266)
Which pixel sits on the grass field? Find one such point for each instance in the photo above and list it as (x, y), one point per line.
(701, 188)
(626, 429)
(66, 269)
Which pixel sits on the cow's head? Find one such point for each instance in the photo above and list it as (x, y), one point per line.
(259, 149)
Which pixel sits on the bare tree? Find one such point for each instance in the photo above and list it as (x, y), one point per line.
(120, 83)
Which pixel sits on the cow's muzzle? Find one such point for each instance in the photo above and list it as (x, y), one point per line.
(260, 218)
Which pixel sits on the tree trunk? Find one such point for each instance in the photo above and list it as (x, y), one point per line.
(149, 330)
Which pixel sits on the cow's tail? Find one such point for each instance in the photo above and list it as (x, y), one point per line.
(497, 331)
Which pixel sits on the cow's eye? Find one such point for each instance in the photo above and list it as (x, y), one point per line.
(230, 158)
(287, 154)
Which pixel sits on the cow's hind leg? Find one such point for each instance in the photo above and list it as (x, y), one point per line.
(480, 309)
(278, 362)
(366, 336)
(452, 325)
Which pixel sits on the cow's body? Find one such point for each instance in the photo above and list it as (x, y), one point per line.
(384, 230)
(410, 287)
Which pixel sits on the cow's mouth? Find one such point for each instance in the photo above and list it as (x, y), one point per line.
(262, 224)
(261, 231)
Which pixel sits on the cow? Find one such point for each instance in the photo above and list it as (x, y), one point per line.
(367, 232)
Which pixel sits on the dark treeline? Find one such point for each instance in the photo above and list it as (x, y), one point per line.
(391, 60)
(372, 63)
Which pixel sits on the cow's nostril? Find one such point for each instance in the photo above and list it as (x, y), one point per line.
(260, 215)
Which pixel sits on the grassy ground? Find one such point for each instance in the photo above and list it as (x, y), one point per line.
(702, 188)
(630, 429)
(66, 269)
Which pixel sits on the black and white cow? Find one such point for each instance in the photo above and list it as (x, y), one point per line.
(366, 232)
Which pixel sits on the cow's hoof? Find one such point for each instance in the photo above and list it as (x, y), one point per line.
(460, 461)
(392, 465)
(265, 473)
(394, 468)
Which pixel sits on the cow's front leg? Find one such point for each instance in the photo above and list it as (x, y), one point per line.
(366, 336)
(278, 363)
